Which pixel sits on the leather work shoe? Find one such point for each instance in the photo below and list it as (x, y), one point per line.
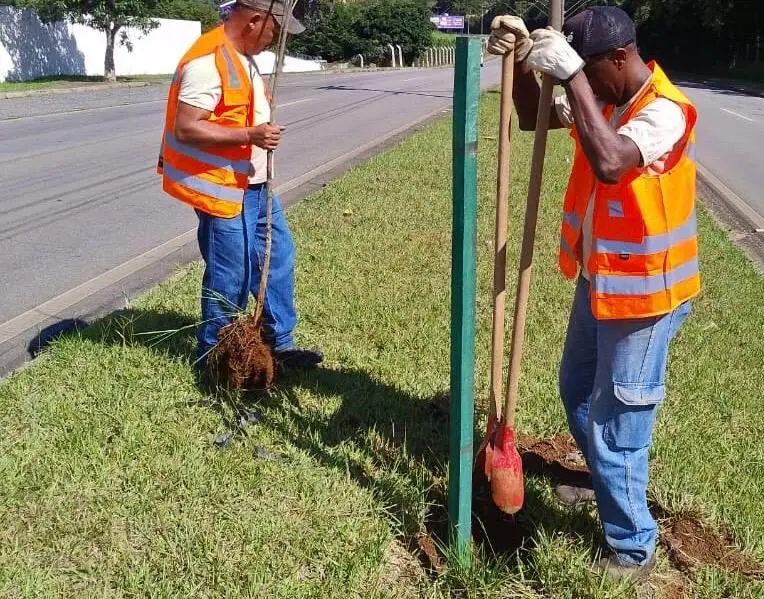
(299, 358)
(570, 495)
(617, 571)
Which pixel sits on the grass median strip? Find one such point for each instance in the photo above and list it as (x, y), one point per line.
(112, 485)
(69, 81)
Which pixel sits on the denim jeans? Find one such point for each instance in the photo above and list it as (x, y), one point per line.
(233, 250)
(612, 381)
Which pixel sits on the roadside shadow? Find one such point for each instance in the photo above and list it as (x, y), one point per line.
(392, 92)
(169, 333)
(390, 442)
(387, 440)
(53, 332)
(37, 49)
(718, 87)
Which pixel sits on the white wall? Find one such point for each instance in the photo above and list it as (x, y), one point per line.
(31, 49)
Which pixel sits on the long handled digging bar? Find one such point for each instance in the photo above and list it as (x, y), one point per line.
(273, 81)
(483, 460)
(507, 487)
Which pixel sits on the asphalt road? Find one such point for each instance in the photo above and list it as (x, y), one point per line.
(729, 132)
(80, 197)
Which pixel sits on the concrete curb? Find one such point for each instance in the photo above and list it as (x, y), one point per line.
(754, 220)
(740, 88)
(79, 89)
(743, 224)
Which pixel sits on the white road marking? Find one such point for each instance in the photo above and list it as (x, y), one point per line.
(733, 113)
(409, 79)
(293, 103)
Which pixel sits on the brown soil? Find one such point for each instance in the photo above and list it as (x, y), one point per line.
(690, 543)
(556, 458)
(242, 359)
(426, 545)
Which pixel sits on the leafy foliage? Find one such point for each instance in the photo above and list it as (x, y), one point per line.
(340, 31)
(204, 11)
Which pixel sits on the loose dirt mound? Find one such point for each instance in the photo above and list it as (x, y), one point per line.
(556, 458)
(690, 543)
(242, 359)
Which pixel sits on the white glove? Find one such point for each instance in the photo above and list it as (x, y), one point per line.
(509, 33)
(552, 55)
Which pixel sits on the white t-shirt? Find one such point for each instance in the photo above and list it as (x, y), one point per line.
(202, 87)
(655, 130)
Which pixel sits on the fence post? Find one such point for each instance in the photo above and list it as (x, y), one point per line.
(463, 281)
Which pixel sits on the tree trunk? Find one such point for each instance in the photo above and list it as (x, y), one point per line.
(109, 71)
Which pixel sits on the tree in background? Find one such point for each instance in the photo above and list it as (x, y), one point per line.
(338, 31)
(204, 11)
(109, 16)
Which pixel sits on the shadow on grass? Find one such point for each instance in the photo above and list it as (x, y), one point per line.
(388, 441)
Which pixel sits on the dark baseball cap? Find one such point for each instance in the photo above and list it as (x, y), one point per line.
(598, 30)
(279, 12)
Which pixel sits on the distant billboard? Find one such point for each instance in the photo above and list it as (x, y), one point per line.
(448, 21)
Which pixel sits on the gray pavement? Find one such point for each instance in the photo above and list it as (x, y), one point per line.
(80, 197)
(729, 133)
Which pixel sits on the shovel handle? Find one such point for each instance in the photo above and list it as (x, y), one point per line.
(500, 238)
(529, 231)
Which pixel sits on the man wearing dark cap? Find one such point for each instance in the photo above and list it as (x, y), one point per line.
(214, 156)
(629, 234)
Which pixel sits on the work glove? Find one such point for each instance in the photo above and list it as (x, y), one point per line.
(509, 33)
(552, 55)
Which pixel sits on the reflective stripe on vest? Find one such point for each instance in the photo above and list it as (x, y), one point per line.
(647, 284)
(651, 244)
(213, 190)
(237, 166)
(572, 219)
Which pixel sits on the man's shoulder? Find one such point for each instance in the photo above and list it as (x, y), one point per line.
(202, 65)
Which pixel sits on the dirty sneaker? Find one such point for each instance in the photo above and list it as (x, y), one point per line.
(618, 571)
(299, 358)
(573, 495)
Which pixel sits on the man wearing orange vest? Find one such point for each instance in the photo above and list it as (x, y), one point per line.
(629, 233)
(214, 153)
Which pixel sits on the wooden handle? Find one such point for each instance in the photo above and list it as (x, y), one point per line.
(529, 232)
(500, 238)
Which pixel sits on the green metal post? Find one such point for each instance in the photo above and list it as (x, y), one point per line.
(466, 103)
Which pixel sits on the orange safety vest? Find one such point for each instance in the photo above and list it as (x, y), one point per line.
(644, 257)
(212, 180)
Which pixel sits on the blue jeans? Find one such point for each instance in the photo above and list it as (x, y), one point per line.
(233, 250)
(612, 381)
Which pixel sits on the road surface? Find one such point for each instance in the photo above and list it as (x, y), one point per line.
(729, 133)
(80, 197)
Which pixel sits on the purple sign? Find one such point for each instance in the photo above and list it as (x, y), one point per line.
(448, 21)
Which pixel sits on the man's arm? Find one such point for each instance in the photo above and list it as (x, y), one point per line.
(193, 127)
(610, 154)
(200, 92)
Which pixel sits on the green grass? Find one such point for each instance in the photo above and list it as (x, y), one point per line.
(70, 81)
(112, 486)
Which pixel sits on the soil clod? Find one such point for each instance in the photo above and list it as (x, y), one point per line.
(242, 359)
(690, 543)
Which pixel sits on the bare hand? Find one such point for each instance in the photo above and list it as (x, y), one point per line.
(266, 136)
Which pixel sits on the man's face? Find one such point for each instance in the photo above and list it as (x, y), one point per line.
(261, 30)
(607, 75)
